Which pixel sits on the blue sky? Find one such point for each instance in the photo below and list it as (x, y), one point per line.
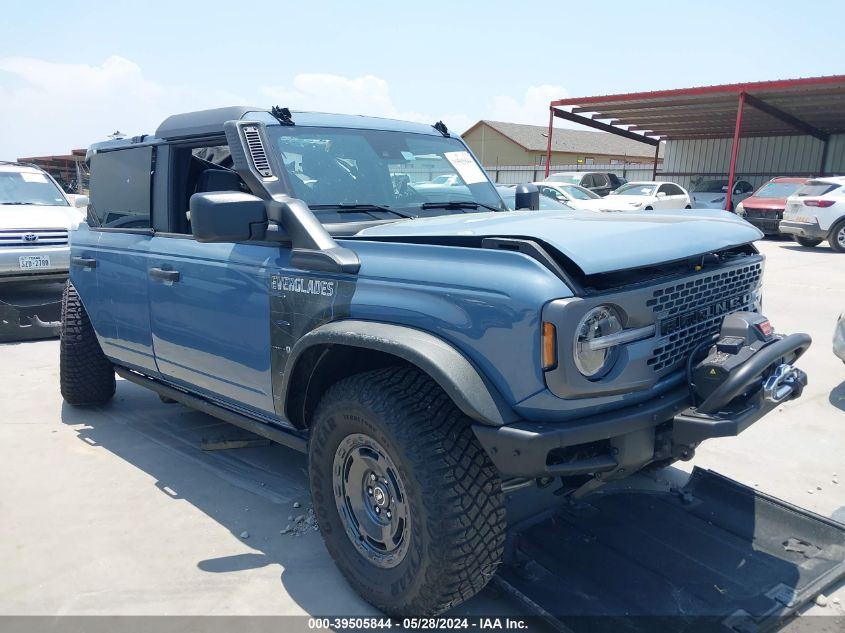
(72, 72)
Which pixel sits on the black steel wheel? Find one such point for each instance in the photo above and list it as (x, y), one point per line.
(371, 500)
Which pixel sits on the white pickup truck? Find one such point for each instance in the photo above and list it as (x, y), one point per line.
(35, 217)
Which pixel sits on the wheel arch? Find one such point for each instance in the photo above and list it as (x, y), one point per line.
(339, 349)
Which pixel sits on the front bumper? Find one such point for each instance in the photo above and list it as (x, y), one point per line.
(668, 427)
(10, 269)
(769, 225)
(803, 229)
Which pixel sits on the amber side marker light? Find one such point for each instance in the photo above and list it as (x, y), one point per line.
(549, 347)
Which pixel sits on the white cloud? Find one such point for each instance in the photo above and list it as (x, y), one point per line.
(532, 108)
(368, 95)
(51, 108)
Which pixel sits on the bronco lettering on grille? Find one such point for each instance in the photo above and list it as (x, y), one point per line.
(699, 315)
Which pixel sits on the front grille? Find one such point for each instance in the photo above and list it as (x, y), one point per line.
(689, 312)
(33, 238)
(763, 214)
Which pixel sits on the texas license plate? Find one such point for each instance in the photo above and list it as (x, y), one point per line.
(33, 262)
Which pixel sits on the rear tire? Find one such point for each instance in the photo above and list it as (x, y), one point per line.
(392, 438)
(86, 376)
(836, 239)
(807, 242)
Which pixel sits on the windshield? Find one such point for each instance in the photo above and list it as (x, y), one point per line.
(777, 190)
(546, 203)
(574, 179)
(579, 193)
(635, 189)
(366, 174)
(18, 187)
(711, 186)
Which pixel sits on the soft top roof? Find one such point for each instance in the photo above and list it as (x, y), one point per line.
(209, 122)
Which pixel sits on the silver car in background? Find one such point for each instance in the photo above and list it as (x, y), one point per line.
(35, 217)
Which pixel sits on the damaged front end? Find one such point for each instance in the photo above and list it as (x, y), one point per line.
(644, 372)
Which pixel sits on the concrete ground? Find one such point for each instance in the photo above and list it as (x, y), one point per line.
(116, 510)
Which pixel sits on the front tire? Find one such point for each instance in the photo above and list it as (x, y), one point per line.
(807, 242)
(86, 376)
(409, 505)
(837, 237)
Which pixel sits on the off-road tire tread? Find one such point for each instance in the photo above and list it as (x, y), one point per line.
(86, 376)
(461, 487)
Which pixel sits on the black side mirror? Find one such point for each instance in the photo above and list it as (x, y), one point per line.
(227, 216)
(527, 197)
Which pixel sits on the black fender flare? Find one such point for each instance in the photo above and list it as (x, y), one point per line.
(468, 388)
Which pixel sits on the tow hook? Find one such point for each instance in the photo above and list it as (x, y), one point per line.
(785, 383)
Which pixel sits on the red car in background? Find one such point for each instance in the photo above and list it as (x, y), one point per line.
(764, 209)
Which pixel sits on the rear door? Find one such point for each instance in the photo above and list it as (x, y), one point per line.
(674, 197)
(109, 260)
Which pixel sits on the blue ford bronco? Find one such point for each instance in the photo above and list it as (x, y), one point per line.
(355, 288)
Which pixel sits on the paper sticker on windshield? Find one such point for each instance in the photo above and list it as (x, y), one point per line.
(28, 177)
(468, 169)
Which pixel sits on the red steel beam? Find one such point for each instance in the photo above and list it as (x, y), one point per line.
(734, 152)
(549, 141)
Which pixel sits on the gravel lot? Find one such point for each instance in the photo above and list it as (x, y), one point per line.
(117, 510)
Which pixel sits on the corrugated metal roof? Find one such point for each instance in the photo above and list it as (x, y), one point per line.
(812, 105)
(534, 138)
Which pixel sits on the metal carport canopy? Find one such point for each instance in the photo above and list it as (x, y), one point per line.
(813, 106)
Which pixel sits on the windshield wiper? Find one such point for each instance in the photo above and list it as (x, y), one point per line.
(35, 204)
(458, 204)
(360, 208)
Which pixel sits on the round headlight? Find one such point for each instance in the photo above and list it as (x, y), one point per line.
(592, 359)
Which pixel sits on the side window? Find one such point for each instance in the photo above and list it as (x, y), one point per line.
(120, 188)
(744, 187)
(203, 168)
(587, 181)
(600, 180)
(551, 193)
(675, 190)
(665, 189)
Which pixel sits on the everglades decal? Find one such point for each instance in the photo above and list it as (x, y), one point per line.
(322, 287)
(298, 304)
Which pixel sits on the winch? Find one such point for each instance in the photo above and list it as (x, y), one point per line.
(747, 371)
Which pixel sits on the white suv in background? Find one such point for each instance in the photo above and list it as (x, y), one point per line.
(816, 212)
(35, 217)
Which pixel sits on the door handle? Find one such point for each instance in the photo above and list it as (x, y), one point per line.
(165, 275)
(85, 262)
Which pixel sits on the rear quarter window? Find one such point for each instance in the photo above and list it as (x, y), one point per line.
(816, 188)
(120, 188)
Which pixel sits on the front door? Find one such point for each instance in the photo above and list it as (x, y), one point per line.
(210, 316)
